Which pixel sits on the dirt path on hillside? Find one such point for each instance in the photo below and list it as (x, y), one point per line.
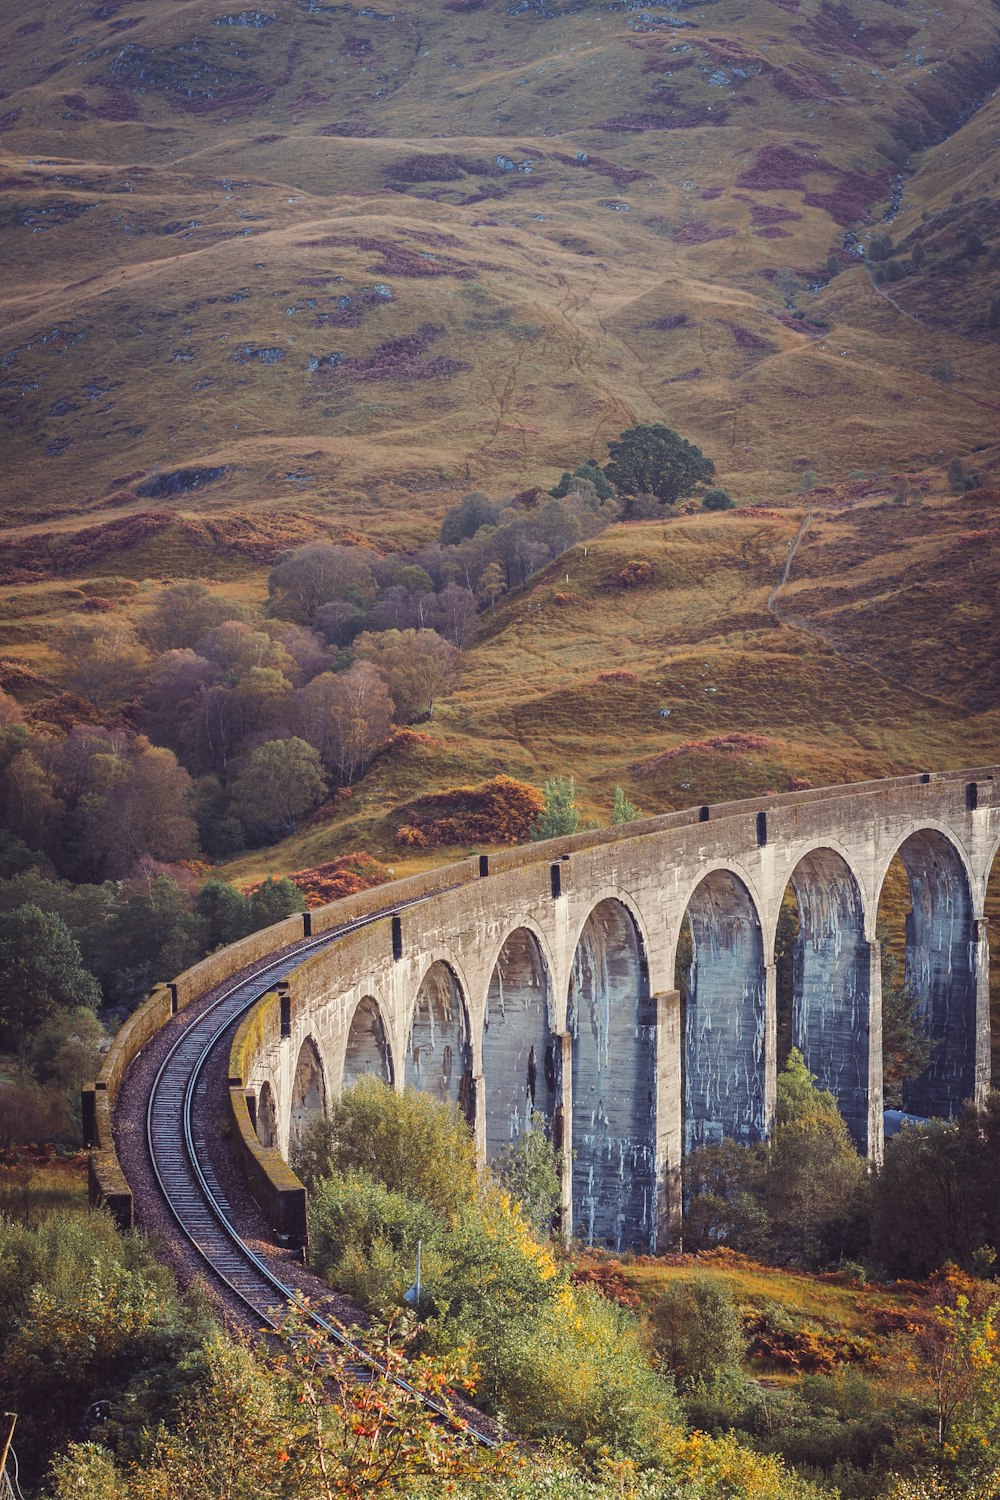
(828, 641)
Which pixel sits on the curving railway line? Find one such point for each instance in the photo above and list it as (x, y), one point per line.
(179, 1156)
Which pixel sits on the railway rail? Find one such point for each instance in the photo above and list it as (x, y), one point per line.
(177, 1146)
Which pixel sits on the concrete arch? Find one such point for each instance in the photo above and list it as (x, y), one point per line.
(611, 1020)
(521, 1054)
(623, 898)
(928, 826)
(942, 968)
(726, 1020)
(267, 1116)
(833, 1024)
(440, 955)
(439, 1039)
(848, 858)
(368, 1050)
(684, 897)
(309, 1090)
(528, 924)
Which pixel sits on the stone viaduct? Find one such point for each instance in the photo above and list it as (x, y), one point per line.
(543, 979)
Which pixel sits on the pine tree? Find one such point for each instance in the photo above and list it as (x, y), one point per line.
(623, 810)
(560, 816)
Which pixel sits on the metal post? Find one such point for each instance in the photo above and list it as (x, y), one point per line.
(10, 1418)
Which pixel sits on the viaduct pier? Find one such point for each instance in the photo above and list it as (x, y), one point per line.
(541, 980)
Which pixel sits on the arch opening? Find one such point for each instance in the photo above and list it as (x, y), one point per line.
(309, 1092)
(940, 971)
(724, 1016)
(830, 1009)
(438, 1049)
(520, 1054)
(368, 1049)
(267, 1116)
(612, 1024)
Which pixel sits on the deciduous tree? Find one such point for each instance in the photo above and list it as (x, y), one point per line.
(416, 665)
(347, 717)
(184, 613)
(41, 970)
(653, 459)
(103, 659)
(695, 1329)
(280, 780)
(137, 803)
(465, 519)
(307, 577)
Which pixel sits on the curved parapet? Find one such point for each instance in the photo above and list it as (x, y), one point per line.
(272, 1183)
(423, 977)
(107, 1182)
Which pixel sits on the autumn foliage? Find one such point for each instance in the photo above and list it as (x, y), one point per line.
(344, 876)
(498, 811)
(637, 573)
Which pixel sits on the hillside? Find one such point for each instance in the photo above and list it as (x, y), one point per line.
(575, 674)
(317, 271)
(479, 238)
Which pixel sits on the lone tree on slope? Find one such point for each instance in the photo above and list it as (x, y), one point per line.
(652, 459)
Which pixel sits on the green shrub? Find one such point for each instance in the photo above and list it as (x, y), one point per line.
(409, 1142)
(578, 1372)
(695, 1329)
(87, 1314)
(717, 499)
(364, 1237)
(529, 1169)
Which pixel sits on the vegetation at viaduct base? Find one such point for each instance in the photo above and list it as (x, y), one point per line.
(706, 1374)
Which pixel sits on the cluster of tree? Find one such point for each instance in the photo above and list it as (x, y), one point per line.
(936, 1196)
(655, 1408)
(68, 950)
(484, 549)
(806, 1198)
(560, 816)
(935, 1420)
(650, 468)
(183, 1410)
(652, 461)
(264, 712)
(92, 801)
(794, 1198)
(389, 1171)
(245, 721)
(889, 262)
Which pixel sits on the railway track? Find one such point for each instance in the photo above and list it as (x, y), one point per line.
(175, 1138)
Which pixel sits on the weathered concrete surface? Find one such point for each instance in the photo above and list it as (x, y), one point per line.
(438, 1048)
(941, 960)
(522, 1058)
(831, 1012)
(606, 944)
(309, 1090)
(611, 1019)
(367, 1048)
(728, 1017)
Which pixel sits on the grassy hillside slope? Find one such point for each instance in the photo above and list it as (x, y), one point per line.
(358, 259)
(317, 270)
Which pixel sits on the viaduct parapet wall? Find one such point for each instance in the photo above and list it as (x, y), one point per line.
(541, 981)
